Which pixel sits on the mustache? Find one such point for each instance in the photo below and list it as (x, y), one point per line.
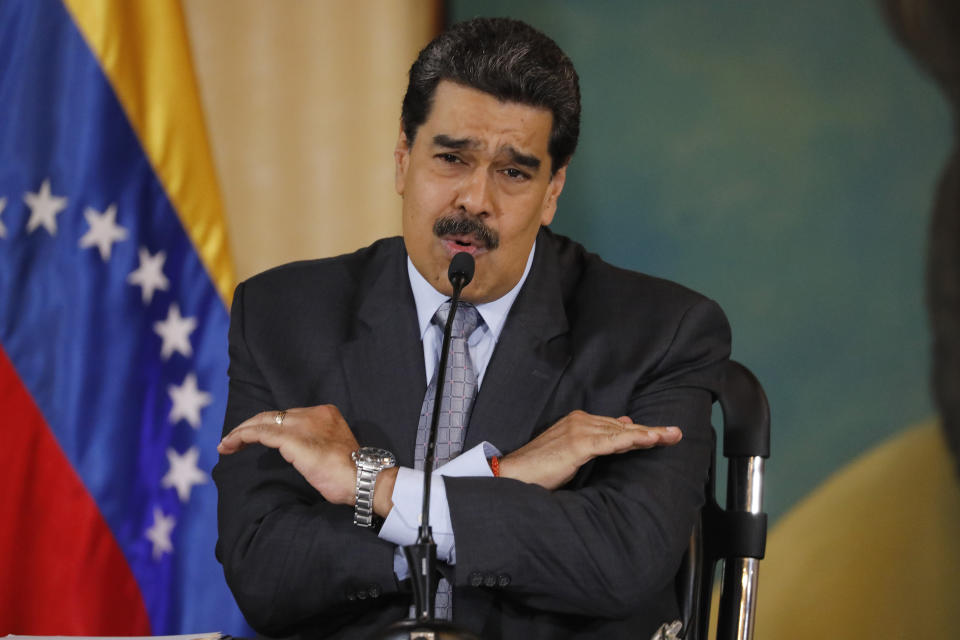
(463, 225)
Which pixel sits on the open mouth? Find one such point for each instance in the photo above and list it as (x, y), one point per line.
(459, 243)
(465, 234)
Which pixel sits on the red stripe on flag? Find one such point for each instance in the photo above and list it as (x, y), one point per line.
(61, 570)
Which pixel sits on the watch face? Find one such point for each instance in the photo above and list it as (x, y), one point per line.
(380, 457)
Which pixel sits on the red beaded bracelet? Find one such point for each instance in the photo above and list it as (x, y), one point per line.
(495, 466)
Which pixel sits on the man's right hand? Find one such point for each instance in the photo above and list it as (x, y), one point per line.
(553, 458)
(316, 440)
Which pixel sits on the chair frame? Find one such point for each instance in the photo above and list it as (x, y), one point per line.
(735, 534)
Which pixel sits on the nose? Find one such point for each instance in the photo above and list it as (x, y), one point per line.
(475, 193)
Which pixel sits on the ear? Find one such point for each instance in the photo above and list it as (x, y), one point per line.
(401, 157)
(552, 194)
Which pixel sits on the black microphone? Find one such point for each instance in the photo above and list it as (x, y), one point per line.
(460, 273)
(422, 556)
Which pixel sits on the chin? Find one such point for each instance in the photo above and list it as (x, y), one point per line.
(475, 295)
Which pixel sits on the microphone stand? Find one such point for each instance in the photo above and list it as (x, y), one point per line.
(422, 555)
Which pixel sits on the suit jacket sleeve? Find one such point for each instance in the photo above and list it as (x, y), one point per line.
(613, 538)
(290, 558)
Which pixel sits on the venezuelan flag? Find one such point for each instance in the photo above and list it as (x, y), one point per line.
(114, 271)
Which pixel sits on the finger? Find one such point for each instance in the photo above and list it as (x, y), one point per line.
(631, 437)
(607, 422)
(266, 433)
(649, 437)
(266, 417)
(670, 431)
(226, 447)
(262, 420)
(614, 425)
(670, 435)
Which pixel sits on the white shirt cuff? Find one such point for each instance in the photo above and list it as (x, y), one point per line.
(403, 522)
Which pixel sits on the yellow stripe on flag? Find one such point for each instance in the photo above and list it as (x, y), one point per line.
(143, 49)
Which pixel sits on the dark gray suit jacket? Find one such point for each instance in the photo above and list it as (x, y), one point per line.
(594, 559)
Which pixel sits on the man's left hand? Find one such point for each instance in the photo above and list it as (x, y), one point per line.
(554, 457)
(316, 440)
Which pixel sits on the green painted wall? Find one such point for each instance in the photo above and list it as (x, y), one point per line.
(779, 157)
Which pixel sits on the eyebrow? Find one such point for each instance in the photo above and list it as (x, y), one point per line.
(523, 159)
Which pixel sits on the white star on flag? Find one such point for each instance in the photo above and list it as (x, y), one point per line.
(149, 275)
(159, 533)
(184, 472)
(3, 229)
(44, 208)
(175, 331)
(103, 232)
(188, 400)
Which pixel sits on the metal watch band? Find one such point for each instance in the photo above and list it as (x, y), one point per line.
(370, 462)
(366, 481)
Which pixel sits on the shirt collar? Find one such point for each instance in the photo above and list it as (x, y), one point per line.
(494, 313)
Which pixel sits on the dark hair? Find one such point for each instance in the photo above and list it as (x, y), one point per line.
(511, 61)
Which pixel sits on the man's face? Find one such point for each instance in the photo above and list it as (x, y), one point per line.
(478, 170)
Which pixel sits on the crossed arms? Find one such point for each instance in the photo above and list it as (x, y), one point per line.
(588, 516)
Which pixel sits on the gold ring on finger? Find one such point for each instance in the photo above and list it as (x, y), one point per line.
(279, 417)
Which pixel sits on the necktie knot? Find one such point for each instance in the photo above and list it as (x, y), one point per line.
(465, 322)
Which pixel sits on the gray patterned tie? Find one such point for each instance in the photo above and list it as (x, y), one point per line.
(459, 390)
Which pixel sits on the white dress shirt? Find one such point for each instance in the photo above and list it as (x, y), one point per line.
(403, 522)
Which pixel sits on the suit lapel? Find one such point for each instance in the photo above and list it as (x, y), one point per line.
(383, 364)
(531, 354)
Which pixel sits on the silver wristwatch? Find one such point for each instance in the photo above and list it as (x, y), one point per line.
(370, 462)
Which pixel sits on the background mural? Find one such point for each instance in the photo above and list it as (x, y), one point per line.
(780, 158)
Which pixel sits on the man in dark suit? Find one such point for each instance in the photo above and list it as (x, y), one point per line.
(582, 532)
